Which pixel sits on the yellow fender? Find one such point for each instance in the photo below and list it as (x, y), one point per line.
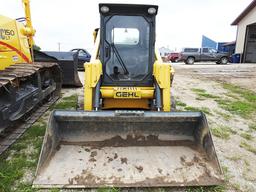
(163, 73)
(93, 72)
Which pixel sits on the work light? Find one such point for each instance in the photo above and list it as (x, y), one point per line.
(104, 9)
(151, 10)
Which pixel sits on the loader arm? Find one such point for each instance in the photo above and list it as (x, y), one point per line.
(29, 30)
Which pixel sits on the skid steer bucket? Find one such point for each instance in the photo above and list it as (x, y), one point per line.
(127, 149)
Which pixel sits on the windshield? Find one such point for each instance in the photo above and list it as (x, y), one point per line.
(127, 41)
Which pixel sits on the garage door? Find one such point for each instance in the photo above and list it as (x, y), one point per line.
(250, 48)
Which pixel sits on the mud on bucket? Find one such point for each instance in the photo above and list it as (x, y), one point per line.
(145, 149)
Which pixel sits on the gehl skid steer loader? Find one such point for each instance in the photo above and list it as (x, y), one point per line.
(126, 136)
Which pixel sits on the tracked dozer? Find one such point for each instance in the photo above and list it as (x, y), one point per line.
(127, 136)
(24, 84)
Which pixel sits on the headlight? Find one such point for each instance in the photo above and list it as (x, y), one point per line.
(151, 10)
(104, 9)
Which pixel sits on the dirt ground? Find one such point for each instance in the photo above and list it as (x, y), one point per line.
(238, 163)
(243, 75)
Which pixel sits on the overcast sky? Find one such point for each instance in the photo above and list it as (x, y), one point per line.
(179, 23)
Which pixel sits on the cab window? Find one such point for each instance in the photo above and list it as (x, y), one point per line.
(125, 36)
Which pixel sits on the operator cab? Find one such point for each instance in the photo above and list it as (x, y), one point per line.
(128, 44)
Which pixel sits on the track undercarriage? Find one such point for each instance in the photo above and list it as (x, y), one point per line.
(23, 87)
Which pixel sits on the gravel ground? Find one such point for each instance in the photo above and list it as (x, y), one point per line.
(239, 163)
(243, 75)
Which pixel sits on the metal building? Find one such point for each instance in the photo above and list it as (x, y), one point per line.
(246, 34)
(207, 42)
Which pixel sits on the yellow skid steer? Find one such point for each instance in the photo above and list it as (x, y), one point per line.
(127, 136)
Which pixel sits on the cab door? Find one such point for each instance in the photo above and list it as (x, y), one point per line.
(208, 54)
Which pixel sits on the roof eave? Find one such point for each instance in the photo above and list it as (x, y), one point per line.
(244, 13)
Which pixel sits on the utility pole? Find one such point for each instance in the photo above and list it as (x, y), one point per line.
(59, 46)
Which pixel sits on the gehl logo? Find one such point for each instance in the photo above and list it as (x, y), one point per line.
(127, 94)
(6, 34)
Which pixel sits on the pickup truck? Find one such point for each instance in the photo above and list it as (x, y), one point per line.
(173, 57)
(191, 55)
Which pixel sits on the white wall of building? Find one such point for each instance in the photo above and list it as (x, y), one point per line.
(250, 18)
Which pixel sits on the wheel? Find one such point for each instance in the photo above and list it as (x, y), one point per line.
(190, 60)
(223, 60)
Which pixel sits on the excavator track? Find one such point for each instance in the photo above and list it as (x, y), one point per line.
(23, 89)
(10, 136)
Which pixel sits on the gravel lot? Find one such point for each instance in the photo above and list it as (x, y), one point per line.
(238, 162)
(243, 75)
(202, 86)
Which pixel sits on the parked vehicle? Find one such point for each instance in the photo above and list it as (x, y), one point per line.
(82, 56)
(191, 55)
(173, 57)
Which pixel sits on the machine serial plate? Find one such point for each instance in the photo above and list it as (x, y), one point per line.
(127, 93)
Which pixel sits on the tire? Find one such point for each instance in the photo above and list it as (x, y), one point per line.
(190, 60)
(223, 60)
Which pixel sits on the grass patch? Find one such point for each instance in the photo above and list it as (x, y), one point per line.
(55, 190)
(241, 108)
(248, 147)
(236, 186)
(252, 127)
(187, 189)
(108, 190)
(203, 93)
(246, 162)
(243, 101)
(200, 99)
(245, 93)
(66, 103)
(195, 90)
(235, 158)
(21, 157)
(220, 188)
(201, 109)
(224, 115)
(222, 132)
(35, 131)
(246, 136)
(233, 95)
(181, 104)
